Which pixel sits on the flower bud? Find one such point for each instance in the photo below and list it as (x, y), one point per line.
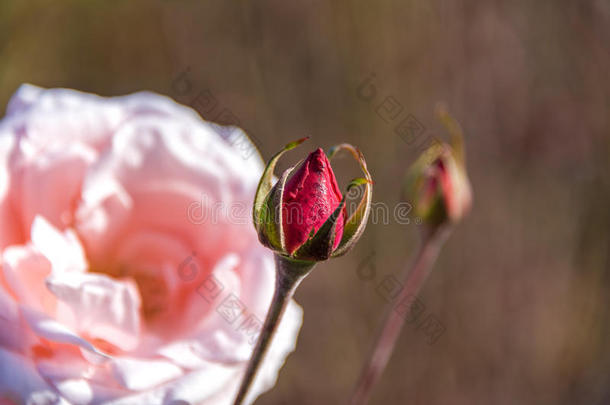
(303, 215)
(437, 184)
(311, 194)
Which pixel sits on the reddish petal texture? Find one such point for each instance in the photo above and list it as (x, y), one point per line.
(310, 197)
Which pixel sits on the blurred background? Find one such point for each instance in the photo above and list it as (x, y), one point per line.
(520, 294)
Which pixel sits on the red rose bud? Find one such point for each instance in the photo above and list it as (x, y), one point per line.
(310, 196)
(303, 215)
(437, 184)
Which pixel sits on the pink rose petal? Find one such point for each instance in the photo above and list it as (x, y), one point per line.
(20, 380)
(136, 374)
(113, 208)
(101, 307)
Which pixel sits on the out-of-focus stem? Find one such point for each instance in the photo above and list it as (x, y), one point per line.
(289, 274)
(412, 281)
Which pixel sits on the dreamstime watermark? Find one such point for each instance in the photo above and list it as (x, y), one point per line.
(411, 308)
(207, 105)
(208, 211)
(227, 304)
(405, 125)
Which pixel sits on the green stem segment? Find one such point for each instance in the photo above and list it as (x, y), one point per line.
(289, 274)
(412, 282)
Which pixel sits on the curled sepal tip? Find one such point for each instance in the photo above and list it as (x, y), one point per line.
(355, 224)
(266, 182)
(454, 129)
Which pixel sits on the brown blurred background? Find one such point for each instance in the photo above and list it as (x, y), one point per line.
(522, 286)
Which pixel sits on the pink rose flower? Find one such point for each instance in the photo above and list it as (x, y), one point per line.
(109, 292)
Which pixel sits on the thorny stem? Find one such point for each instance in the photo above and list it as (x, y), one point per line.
(412, 282)
(289, 274)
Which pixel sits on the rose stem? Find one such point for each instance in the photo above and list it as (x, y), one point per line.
(412, 282)
(289, 273)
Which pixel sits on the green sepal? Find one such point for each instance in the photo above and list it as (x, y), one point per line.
(414, 174)
(455, 132)
(355, 224)
(265, 183)
(271, 231)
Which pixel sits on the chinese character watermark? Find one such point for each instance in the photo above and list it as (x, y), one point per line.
(206, 104)
(410, 308)
(227, 304)
(391, 111)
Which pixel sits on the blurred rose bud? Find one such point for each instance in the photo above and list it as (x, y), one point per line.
(437, 184)
(303, 215)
